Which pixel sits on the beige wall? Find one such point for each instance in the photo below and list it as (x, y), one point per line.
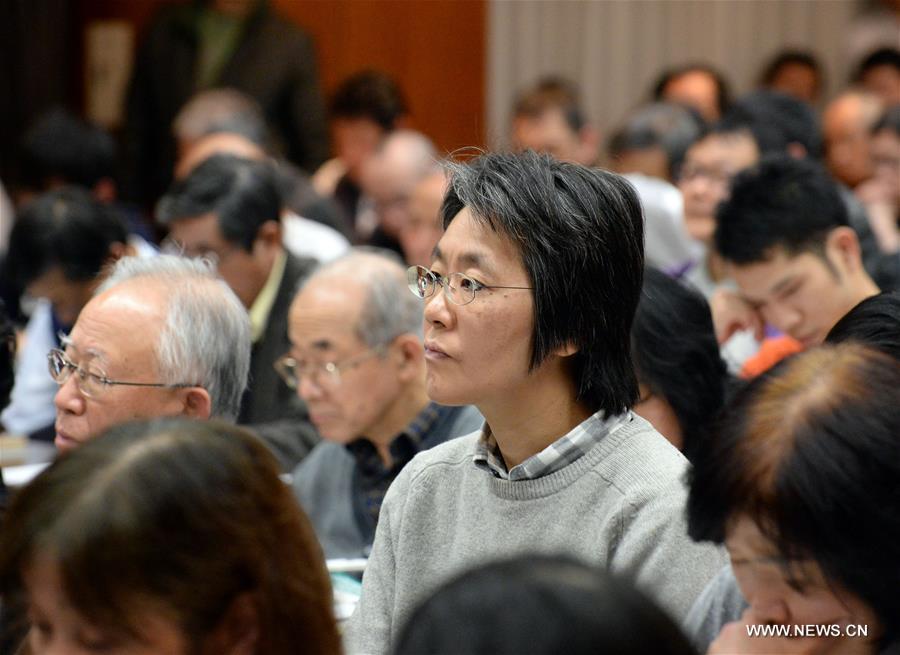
(615, 49)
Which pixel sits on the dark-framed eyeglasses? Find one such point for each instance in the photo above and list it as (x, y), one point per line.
(458, 288)
(92, 382)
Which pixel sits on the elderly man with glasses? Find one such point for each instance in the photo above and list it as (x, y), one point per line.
(357, 360)
(162, 337)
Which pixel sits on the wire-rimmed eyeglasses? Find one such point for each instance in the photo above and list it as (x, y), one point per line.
(325, 375)
(458, 288)
(93, 382)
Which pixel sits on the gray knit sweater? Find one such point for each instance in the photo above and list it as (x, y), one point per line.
(621, 506)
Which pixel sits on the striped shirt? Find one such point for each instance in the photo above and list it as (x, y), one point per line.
(554, 457)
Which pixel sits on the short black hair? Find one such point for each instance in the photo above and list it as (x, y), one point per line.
(580, 234)
(809, 452)
(561, 606)
(778, 120)
(723, 92)
(890, 120)
(780, 203)
(552, 92)
(369, 94)
(676, 354)
(243, 194)
(62, 146)
(875, 59)
(874, 322)
(791, 57)
(68, 228)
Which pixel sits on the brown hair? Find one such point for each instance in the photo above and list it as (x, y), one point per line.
(181, 515)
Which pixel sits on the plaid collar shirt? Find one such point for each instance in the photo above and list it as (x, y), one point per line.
(554, 457)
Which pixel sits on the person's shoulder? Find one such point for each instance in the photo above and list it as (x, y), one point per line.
(325, 457)
(448, 455)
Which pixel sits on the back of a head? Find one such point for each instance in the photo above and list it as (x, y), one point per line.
(221, 110)
(180, 516)
(809, 452)
(579, 232)
(541, 605)
(552, 92)
(874, 322)
(676, 354)
(63, 149)
(66, 228)
(371, 95)
(242, 193)
(206, 336)
(780, 203)
(665, 125)
(782, 124)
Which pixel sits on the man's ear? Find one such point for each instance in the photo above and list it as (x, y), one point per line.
(269, 234)
(842, 247)
(238, 631)
(197, 403)
(411, 355)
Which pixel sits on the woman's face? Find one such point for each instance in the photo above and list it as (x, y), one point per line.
(58, 628)
(479, 352)
(790, 594)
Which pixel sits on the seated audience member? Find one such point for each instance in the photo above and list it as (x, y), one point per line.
(695, 85)
(7, 377)
(527, 316)
(389, 176)
(881, 193)
(875, 322)
(796, 73)
(784, 236)
(800, 485)
(356, 358)
(654, 140)
(780, 123)
(548, 118)
(365, 108)
(58, 247)
(879, 73)
(541, 605)
(423, 228)
(167, 537)
(228, 209)
(681, 376)
(161, 337)
(230, 112)
(300, 236)
(846, 126)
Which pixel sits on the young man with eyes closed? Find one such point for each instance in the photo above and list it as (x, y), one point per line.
(528, 307)
(785, 237)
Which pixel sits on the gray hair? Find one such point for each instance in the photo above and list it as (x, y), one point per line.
(390, 309)
(206, 336)
(221, 110)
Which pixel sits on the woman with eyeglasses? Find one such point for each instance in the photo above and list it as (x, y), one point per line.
(802, 485)
(528, 307)
(171, 538)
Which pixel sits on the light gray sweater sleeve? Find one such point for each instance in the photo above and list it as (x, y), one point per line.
(720, 603)
(370, 628)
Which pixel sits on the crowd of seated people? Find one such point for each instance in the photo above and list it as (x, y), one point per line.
(548, 399)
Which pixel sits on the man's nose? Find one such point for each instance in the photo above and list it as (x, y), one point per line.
(68, 398)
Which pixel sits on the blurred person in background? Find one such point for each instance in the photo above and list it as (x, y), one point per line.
(541, 605)
(847, 124)
(881, 193)
(699, 86)
(423, 227)
(240, 44)
(389, 177)
(357, 360)
(800, 484)
(365, 108)
(228, 210)
(797, 73)
(118, 548)
(232, 113)
(60, 244)
(682, 378)
(879, 74)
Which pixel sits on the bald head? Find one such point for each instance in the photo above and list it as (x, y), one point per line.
(220, 143)
(846, 124)
(423, 229)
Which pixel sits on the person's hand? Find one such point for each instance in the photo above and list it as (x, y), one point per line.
(731, 313)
